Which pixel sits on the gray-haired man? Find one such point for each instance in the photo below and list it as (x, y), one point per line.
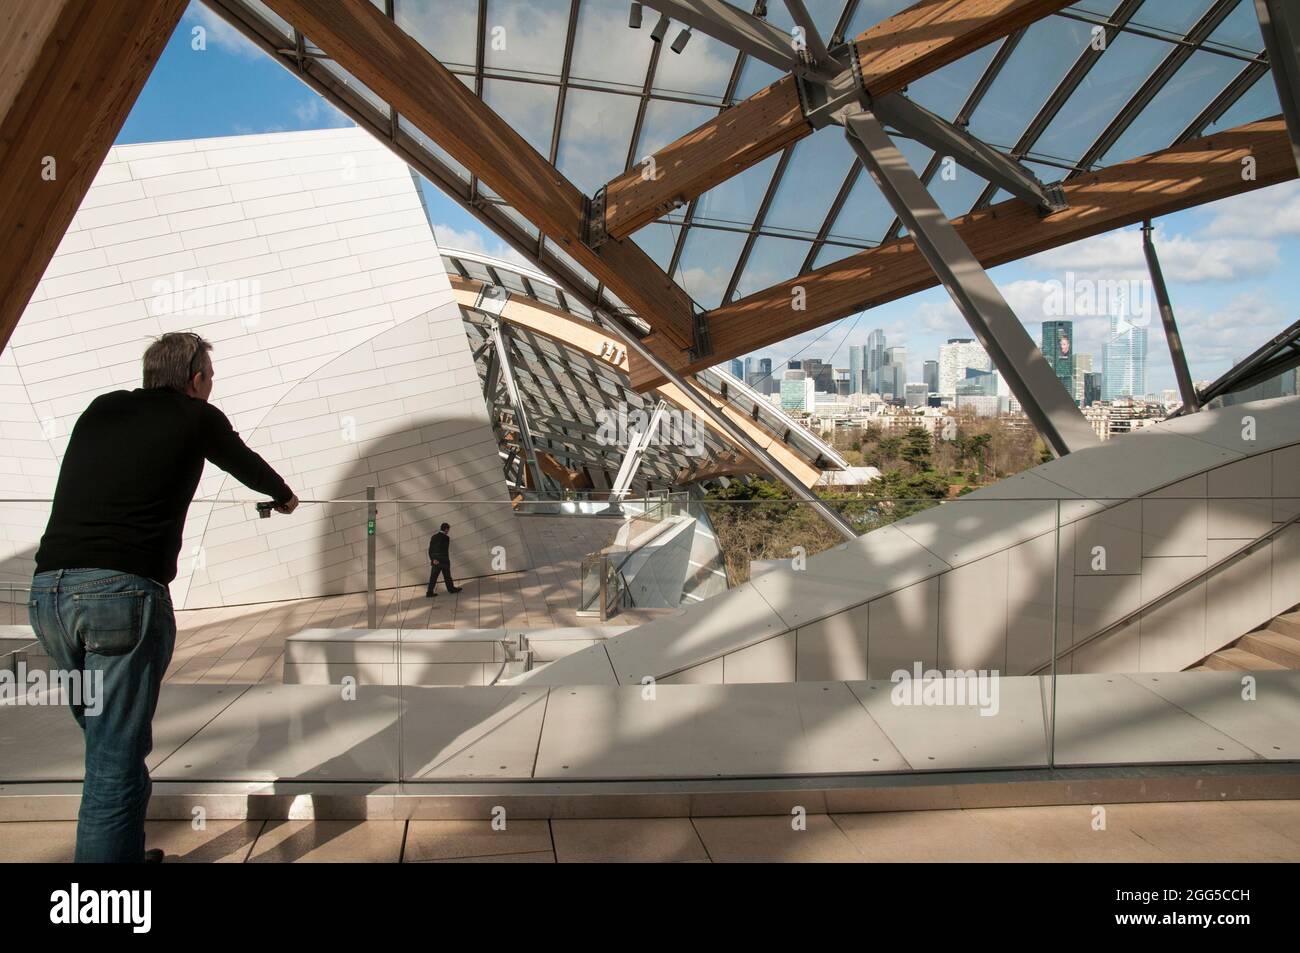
(100, 604)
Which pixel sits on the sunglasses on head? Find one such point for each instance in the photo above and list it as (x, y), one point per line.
(196, 359)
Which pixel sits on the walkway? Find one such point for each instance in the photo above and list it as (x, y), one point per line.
(243, 644)
(1203, 831)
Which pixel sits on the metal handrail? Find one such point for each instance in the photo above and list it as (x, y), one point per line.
(1165, 596)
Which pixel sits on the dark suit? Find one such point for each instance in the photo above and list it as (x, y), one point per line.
(439, 562)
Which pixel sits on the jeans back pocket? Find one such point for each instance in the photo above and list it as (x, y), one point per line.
(109, 623)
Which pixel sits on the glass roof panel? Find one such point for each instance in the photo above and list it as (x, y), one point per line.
(736, 201)
(270, 16)
(1258, 102)
(604, 49)
(703, 68)
(1171, 16)
(446, 28)
(866, 215)
(666, 121)
(658, 239)
(1099, 7)
(708, 259)
(946, 90)
(1037, 66)
(812, 179)
(529, 108)
(551, 248)
(956, 189)
(525, 37)
(594, 137)
(354, 84)
(755, 75)
(1194, 85)
(1239, 31)
(1109, 85)
(771, 261)
(546, 293)
(406, 126)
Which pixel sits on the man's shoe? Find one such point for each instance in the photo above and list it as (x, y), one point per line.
(430, 595)
(457, 589)
(153, 856)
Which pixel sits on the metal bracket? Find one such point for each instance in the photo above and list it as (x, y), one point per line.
(701, 348)
(593, 225)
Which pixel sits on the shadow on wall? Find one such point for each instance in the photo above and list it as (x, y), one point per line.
(423, 475)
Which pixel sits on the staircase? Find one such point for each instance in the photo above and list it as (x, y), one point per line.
(1275, 645)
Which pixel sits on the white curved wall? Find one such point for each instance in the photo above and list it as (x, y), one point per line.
(353, 368)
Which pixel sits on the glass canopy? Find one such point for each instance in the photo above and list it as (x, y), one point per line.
(1097, 83)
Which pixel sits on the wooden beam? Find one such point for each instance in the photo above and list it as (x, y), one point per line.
(1196, 172)
(70, 70)
(398, 69)
(559, 326)
(895, 52)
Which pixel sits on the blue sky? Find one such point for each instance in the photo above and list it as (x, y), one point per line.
(1230, 266)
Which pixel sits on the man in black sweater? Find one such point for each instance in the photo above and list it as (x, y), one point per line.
(440, 561)
(100, 604)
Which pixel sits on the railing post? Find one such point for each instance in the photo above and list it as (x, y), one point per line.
(372, 512)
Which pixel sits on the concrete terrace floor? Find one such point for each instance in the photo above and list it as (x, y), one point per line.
(245, 644)
(1239, 831)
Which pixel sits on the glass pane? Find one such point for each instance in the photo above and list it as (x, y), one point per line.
(1107, 88)
(736, 201)
(605, 50)
(407, 127)
(1258, 102)
(1039, 63)
(446, 28)
(666, 121)
(529, 108)
(1240, 31)
(526, 36)
(755, 75)
(658, 239)
(355, 85)
(703, 68)
(945, 91)
(1172, 16)
(1194, 85)
(866, 214)
(812, 179)
(771, 261)
(708, 259)
(594, 137)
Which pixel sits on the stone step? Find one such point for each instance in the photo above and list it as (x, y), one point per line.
(1239, 660)
(1273, 645)
(1287, 623)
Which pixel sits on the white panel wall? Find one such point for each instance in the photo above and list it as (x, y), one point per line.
(347, 364)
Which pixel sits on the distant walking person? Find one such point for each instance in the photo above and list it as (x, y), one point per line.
(100, 604)
(440, 561)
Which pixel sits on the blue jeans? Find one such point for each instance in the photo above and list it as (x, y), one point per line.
(121, 625)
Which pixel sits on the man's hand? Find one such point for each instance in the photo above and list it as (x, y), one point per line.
(289, 506)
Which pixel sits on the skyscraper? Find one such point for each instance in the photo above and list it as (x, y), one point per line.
(857, 368)
(738, 369)
(894, 376)
(955, 358)
(1058, 348)
(931, 376)
(1082, 368)
(1124, 366)
(875, 360)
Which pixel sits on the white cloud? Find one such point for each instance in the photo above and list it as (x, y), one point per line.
(1267, 213)
(1119, 256)
(452, 239)
(221, 34)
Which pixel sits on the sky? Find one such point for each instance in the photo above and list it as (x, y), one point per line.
(1230, 266)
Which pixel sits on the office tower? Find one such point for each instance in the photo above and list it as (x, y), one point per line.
(738, 369)
(1124, 360)
(821, 374)
(1082, 368)
(1091, 388)
(875, 360)
(1058, 348)
(977, 383)
(843, 382)
(749, 367)
(766, 383)
(931, 376)
(797, 391)
(894, 378)
(917, 393)
(955, 358)
(857, 369)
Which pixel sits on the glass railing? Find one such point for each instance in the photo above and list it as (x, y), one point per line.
(967, 633)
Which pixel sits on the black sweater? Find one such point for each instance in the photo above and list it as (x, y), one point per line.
(129, 475)
(440, 547)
